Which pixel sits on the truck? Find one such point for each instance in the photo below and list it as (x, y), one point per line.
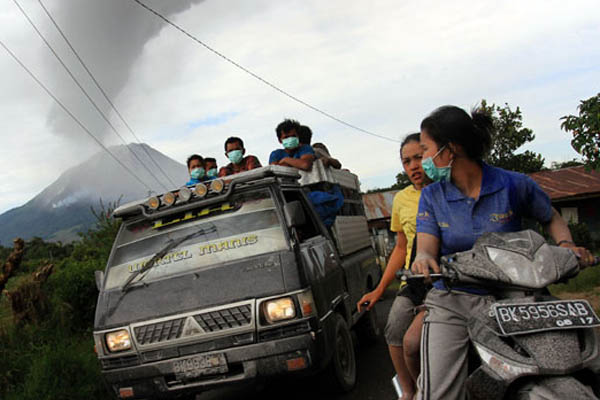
(234, 280)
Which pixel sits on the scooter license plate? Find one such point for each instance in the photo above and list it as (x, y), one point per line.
(200, 365)
(520, 318)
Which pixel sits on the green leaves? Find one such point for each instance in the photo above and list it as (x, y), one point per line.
(585, 129)
(508, 136)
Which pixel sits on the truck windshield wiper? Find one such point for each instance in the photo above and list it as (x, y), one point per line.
(163, 252)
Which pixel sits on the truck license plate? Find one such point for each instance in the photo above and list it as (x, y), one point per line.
(196, 366)
(519, 318)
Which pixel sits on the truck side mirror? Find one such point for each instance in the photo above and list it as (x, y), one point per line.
(294, 214)
(99, 279)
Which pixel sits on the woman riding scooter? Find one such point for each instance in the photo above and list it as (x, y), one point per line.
(468, 199)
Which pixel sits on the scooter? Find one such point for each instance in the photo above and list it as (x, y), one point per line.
(526, 344)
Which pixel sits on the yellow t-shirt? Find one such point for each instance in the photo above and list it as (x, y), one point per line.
(404, 216)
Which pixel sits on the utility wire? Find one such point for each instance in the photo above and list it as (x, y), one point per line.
(103, 92)
(85, 92)
(246, 70)
(71, 115)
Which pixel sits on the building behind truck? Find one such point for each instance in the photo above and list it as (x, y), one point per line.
(235, 280)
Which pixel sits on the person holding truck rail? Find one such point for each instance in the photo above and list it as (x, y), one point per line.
(402, 313)
(294, 154)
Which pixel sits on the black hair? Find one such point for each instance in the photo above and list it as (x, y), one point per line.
(320, 146)
(286, 126)
(451, 124)
(304, 134)
(194, 157)
(234, 139)
(210, 159)
(412, 137)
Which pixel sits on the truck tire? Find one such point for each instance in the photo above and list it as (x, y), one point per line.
(367, 328)
(340, 374)
(559, 387)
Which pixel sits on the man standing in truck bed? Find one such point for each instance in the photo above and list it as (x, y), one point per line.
(293, 153)
(234, 151)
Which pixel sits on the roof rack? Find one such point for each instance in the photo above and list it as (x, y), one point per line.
(229, 182)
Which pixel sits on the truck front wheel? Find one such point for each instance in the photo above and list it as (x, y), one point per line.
(340, 375)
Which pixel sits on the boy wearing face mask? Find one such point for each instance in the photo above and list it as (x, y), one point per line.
(234, 151)
(293, 153)
(195, 164)
(210, 166)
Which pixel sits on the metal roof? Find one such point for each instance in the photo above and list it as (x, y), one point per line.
(379, 205)
(567, 183)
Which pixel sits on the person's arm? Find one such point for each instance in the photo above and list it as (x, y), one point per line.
(304, 163)
(428, 246)
(558, 229)
(396, 262)
(253, 163)
(332, 162)
(222, 172)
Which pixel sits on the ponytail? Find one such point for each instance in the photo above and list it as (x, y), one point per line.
(451, 124)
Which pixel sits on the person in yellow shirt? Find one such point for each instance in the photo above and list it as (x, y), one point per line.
(402, 313)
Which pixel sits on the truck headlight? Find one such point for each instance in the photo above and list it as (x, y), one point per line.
(279, 309)
(118, 340)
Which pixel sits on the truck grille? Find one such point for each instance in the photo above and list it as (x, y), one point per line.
(212, 321)
(234, 317)
(159, 332)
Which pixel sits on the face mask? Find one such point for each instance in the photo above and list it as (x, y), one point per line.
(436, 174)
(212, 173)
(290, 142)
(197, 173)
(235, 156)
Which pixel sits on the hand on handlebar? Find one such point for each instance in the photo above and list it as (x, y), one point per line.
(424, 264)
(586, 258)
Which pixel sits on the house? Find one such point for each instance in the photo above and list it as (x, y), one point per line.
(378, 209)
(575, 193)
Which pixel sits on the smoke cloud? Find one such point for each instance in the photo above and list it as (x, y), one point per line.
(109, 36)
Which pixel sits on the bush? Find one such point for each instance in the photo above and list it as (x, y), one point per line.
(74, 292)
(581, 235)
(64, 370)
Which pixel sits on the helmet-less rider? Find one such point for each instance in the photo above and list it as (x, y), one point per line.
(468, 199)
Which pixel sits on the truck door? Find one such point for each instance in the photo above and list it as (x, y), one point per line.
(319, 258)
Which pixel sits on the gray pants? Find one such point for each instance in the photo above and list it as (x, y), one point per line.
(399, 319)
(445, 344)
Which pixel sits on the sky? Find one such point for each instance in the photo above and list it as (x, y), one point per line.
(381, 65)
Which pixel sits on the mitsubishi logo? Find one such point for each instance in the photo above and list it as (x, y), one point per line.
(191, 327)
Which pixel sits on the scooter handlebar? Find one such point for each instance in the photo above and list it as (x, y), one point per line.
(406, 275)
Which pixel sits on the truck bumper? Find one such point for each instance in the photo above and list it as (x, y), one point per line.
(158, 380)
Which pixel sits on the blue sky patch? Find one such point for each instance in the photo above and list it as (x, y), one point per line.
(212, 120)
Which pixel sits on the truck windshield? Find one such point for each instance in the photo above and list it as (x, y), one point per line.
(245, 226)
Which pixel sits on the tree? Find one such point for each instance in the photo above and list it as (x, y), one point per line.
(565, 164)
(585, 129)
(508, 136)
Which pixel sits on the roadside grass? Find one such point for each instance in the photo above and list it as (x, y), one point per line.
(586, 286)
(587, 280)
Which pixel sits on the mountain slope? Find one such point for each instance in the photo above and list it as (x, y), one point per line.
(63, 208)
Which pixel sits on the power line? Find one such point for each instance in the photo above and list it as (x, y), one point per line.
(71, 114)
(246, 70)
(103, 92)
(85, 92)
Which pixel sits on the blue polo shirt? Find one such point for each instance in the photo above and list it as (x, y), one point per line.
(280, 154)
(457, 220)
